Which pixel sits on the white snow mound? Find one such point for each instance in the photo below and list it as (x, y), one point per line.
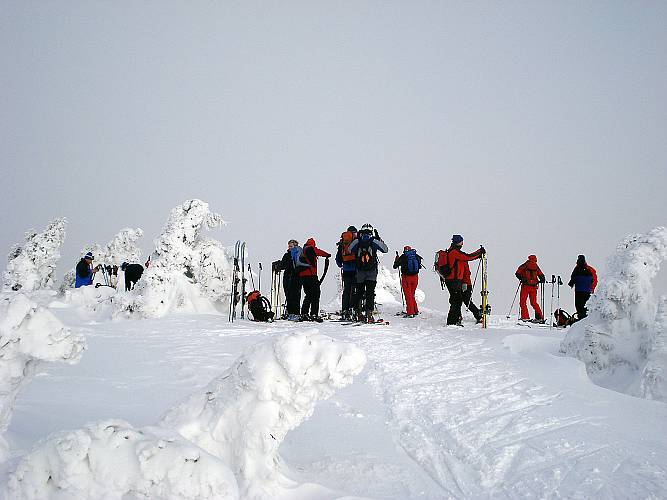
(29, 334)
(244, 415)
(110, 460)
(624, 331)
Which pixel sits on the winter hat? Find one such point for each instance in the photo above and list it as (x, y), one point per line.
(581, 260)
(457, 238)
(352, 229)
(407, 248)
(532, 258)
(89, 255)
(123, 266)
(310, 242)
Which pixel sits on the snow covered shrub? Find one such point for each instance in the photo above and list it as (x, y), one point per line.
(388, 288)
(623, 329)
(32, 265)
(244, 415)
(92, 299)
(28, 335)
(188, 271)
(111, 460)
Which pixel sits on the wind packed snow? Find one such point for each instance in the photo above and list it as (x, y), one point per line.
(111, 459)
(243, 416)
(29, 335)
(32, 264)
(189, 272)
(622, 339)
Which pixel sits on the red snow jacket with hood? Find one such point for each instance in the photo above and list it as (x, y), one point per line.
(529, 273)
(310, 255)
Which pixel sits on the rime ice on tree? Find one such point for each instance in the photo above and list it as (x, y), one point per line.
(625, 328)
(32, 264)
(188, 270)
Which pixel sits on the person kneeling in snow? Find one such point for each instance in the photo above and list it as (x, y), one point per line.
(584, 279)
(85, 272)
(410, 263)
(132, 274)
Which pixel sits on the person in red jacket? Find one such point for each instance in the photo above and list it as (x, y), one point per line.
(530, 275)
(454, 275)
(410, 262)
(310, 281)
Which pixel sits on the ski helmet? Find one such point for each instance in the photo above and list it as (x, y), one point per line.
(367, 228)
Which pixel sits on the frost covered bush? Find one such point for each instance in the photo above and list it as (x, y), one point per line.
(31, 265)
(188, 271)
(244, 415)
(625, 327)
(111, 460)
(29, 335)
(388, 288)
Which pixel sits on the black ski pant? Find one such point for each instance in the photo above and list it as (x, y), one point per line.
(293, 294)
(467, 299)
(349, 291)
(311, 289)
(580, 299)
(455, 289)
(366, 293)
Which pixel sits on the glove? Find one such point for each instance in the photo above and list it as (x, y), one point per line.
(275, 266)
(482, 250)
(543, 279)
(571, 283)
(377, 235)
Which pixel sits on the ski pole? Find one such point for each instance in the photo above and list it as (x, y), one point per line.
(551, 304)
(252, 279)
(260, 277)
(513, 300)
(400, 283)
(560, 282)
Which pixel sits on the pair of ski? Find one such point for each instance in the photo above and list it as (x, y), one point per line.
(238, 277)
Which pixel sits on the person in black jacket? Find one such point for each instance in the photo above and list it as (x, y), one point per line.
(410, 262)
(291, 283)
(132, 274)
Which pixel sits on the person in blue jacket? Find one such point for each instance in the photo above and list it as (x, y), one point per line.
(346, 260)
(85, 272)
(365, 248)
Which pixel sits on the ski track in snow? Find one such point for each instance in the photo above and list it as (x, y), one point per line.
(438, 412)
(483, 429)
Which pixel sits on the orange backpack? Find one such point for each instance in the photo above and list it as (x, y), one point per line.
(345, 239)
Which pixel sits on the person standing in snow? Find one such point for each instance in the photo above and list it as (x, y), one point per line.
(310, 281)
(530, 275)
(346, 260)
(467, 293)
(85, 272)
(410, 262)
(584, 279)
(291, 283)
(365, 248)
(454, 274)
(132, 274)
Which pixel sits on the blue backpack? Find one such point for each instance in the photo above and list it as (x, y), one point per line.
(298, 259)
(412, 261)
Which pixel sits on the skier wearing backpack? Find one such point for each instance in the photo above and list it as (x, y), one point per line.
(365, 248)
(530, 275)
(310, 281)
(452, 267)
(584, 279)
(410, 262)
(346, 260)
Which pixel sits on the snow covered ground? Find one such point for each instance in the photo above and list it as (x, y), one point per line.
(437, 412)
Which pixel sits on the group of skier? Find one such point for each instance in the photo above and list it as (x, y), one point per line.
(85, 272)
(357, 257)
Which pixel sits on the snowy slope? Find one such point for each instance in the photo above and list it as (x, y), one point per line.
(438, 412)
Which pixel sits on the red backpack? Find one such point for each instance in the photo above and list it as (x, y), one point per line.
(441, 264)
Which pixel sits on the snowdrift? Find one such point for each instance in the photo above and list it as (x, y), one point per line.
(188, 273)
(244, 415)
(29, 334)
(622, 341)
(110, 459)
(31, 265)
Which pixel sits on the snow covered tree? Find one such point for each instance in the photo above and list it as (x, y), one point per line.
(32, 264)
(625, 328)
(29, 335)
(188, 270)
(122, 248)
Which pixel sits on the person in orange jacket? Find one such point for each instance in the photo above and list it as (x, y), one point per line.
(530, 275)
(455, 274)
(310, 281)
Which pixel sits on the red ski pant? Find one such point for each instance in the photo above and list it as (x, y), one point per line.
(529, 291)
(409, 284)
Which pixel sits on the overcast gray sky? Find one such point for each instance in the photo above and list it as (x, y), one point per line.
(530, 127)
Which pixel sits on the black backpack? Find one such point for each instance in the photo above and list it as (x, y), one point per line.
(563, 318)
(366, 258)
(260, 307)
